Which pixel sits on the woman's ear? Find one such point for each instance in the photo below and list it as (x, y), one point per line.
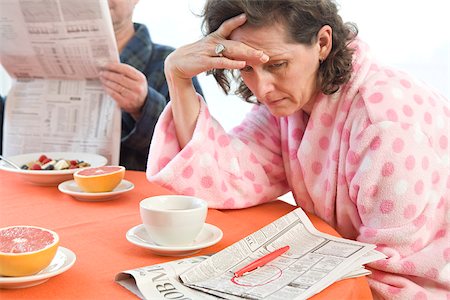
(324, 42)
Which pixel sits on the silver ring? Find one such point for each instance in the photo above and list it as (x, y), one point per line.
(219, 49)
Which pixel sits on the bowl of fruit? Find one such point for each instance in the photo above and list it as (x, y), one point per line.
(51, 168)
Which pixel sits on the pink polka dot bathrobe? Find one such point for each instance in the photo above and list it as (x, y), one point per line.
(372, 160)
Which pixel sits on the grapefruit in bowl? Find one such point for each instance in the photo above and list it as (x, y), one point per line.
(26, 250)
(100, 179)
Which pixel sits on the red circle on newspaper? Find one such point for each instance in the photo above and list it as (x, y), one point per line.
(244, 280)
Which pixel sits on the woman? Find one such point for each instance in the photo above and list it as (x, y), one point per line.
(362, 146)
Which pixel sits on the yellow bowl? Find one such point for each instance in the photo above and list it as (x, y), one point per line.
(99, 179)
(26, 250)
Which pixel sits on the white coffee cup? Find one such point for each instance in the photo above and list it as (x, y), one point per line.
(173, 220)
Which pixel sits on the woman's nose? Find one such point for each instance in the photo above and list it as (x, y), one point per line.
(264, 84)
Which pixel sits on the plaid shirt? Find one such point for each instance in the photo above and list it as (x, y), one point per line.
(147, 57)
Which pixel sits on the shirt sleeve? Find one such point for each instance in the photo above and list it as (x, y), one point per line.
(233, 170)
(399, 184)
(137, 134)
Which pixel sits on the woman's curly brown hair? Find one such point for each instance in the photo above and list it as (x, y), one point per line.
(303, 20)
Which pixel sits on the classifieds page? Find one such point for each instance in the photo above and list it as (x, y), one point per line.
(315, 260)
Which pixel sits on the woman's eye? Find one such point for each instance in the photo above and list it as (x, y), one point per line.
(277, 65)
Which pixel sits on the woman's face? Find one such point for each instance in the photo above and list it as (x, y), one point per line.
(288, 81)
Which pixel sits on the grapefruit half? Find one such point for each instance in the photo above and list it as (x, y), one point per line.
(99, 179)
(26, 250)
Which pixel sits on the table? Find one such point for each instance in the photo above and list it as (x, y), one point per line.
(95, 231)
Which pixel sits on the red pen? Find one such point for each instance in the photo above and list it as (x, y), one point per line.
(261, 261)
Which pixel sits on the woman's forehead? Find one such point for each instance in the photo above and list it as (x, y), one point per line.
(272, 39)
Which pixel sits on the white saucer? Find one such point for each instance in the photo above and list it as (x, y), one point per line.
(71, 188)
(63, 260)
(209, 236)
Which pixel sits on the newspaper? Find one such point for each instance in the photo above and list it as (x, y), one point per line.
(315, 261)
(54, 50)
(162, 281)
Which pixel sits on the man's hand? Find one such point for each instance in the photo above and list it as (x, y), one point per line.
(127, 85)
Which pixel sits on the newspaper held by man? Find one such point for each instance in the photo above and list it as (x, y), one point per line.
(56, 39)
(54, 51)
(314, 261)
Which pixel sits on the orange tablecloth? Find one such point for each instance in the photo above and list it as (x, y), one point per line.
(95, 231)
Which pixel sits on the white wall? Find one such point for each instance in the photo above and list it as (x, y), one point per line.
(408, 34)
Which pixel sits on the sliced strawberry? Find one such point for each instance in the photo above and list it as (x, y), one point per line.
(42, 158)
(73, 162)
(46, 160)
(36, 167)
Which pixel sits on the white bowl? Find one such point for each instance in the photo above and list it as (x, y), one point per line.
(50, 177)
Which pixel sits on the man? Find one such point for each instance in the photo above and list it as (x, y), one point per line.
(137, 84)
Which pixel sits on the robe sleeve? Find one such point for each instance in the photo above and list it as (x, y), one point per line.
(398, 181)
(235, 170)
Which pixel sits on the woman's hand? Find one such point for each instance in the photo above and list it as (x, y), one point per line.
(193, 59)
(190, 60)
(127, 86)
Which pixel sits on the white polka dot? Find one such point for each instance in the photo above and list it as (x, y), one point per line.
(234, 166)
(366, 164)
(401, 187)
(418, 133)
(397, 93)
(167, 174)
(198, 136)
(444, 273)
(239, 188)
(216, 124)
(318, 191)
(385, 124)
(433, 197)
(305, 147)
(237, 144)
(440, 123)
(206, 160)
(375, 222)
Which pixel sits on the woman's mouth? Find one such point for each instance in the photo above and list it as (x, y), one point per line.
(276, 101)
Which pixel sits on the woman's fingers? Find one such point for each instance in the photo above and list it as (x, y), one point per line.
(232, 49)
(206, 54)
(239, 51)
(229, 25)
